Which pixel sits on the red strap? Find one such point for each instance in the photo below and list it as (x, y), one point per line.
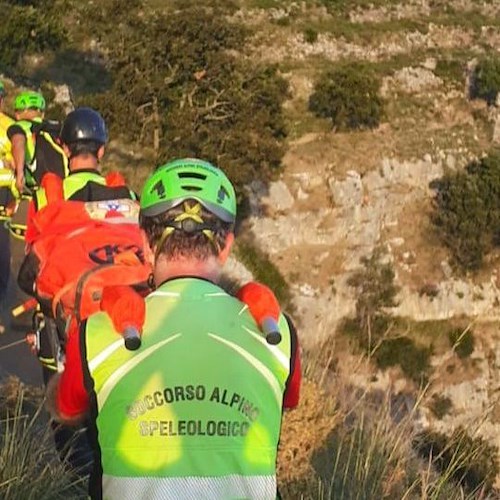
(53, 186)
(115, 179)
(124, 306)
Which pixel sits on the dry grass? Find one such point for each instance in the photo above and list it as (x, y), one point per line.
(344, 442)
(29, 466)
(10, 390)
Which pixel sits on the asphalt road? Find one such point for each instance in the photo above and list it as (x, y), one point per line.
(16, 360)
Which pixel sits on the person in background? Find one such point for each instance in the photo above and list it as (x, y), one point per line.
(6, 198)
(83, 137)
(196, 411)
(35, 149)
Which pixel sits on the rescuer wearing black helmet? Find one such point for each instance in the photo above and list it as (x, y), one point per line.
(84, 132)
(84, 136)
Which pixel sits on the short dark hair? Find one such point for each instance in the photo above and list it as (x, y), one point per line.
(186, 244)
(84, 148)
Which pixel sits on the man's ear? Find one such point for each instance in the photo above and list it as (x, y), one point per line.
(100, 153)
(224, 253)
(149, 253)
(66, 150)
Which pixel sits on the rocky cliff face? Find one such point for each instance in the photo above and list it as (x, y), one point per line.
(348, 217)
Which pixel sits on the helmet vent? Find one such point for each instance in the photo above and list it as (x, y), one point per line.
(191, 175)
(221, 194)
(191, 188)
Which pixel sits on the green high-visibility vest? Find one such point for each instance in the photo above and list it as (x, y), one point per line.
(71, 184)
(196, 411)
(27, 126)
(30, 160)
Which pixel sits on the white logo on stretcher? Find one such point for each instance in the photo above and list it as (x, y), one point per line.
(113, 206)
(128, 210)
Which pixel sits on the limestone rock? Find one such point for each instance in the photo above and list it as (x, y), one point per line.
(279, 197)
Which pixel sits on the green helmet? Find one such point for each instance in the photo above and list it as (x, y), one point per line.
(189, 179)
(29, 100)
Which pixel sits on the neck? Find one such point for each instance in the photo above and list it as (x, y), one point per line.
(165, 269)
(83, 163)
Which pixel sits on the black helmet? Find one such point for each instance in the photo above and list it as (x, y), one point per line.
(84, 124)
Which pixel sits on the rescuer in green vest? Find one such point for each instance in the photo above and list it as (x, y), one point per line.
(84, 137)
(35, 150)
(196, 411)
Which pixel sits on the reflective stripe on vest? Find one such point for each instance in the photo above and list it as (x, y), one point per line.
(129, 488)
(5, 144)
(167, 411)
(30, 148)
(27, 126)
(71, 185)
(58, 148)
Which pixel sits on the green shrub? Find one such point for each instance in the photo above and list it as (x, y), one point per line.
(451, 70)
(472, 462)
(440, 406)
(486, 84)
(467, 211)
(264, 271)
(310, 35)
(376, 291)
(348, 95)
(462, 342)
(374, 330)
(402, 351)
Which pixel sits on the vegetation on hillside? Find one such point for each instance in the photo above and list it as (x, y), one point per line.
(362, 444)
(486, 82)
(172, 78)
(356, 444)
(477, 473)
(29, 465)
(181, 88)
(375, 331)
(177, 84)
(467, 211)
(348, 95)
(27, 27)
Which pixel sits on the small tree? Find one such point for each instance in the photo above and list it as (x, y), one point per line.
(486, 83)
(179, 87)
(462, 342)
(376, 291)
(467, 211)
(348, 95)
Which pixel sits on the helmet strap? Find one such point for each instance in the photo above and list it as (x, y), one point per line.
(190, 221)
